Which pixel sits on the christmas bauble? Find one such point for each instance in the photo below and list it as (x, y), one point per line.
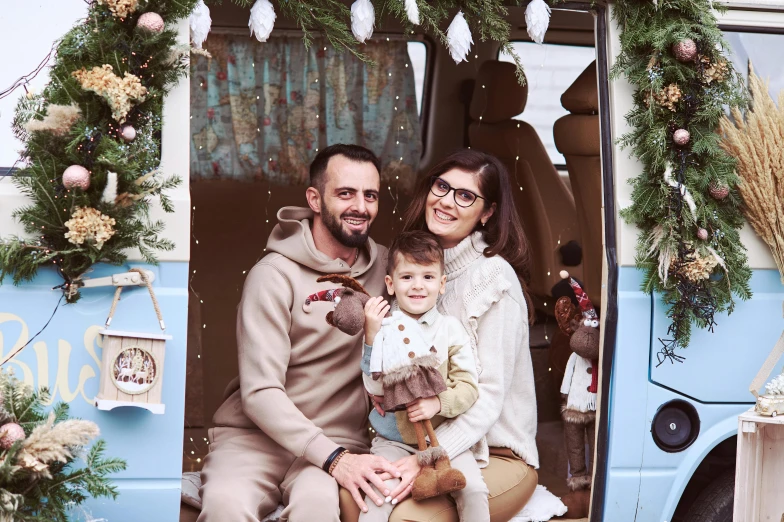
(685, 50)
(151, 22)
(10, 433)
(719, 191)
(681, 137)
(128, 133)
(76, 176)
(702, 234)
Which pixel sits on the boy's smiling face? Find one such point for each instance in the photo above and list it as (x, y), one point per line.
(416, 287)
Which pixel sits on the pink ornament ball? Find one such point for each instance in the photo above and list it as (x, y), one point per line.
(151, 22)
(10, 433)
(681, 137)
(685, 50)
(702, 234)
(76, 176)
(128, 133)
(719, 191)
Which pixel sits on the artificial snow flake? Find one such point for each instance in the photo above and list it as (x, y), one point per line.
(412, 10)
(776, 386)
(200, 23)
(537, 19)
(262, 18)
(363, 17)
(459, 38)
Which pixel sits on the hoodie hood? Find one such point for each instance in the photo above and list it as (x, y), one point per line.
(292, 238)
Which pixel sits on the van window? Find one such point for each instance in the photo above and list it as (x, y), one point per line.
(549, 69)
(417, 53)
(762, 51)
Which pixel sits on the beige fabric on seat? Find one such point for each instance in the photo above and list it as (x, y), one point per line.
(545, 204)
(577, 138)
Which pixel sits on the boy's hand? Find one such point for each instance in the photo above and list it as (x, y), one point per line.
(423, 409)
(376, 309)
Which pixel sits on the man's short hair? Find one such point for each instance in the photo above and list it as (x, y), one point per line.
(353, 152)
(417, 246)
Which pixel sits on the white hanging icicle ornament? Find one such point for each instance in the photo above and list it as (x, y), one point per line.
(110, 191)
(262, 19)
(412, 10)
(363, 17)
(537, 19)
(200, 23)
(458, 36)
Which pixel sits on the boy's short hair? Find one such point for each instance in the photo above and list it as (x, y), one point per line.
(418, 246)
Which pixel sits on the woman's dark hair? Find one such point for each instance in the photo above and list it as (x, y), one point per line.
(503, 232)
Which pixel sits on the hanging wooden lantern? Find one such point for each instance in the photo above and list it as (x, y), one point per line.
(132, 363)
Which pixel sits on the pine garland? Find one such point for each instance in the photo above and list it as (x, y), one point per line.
(685, 202)
(107, 71)
(45, 471)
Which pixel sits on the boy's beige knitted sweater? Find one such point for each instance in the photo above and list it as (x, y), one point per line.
(485, 294)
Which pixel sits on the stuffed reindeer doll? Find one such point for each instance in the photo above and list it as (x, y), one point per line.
(402, 380)
(580, 381)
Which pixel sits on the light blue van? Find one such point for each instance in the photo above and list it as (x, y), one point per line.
(666, 430)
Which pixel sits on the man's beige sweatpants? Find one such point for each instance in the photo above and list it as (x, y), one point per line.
(246, 475)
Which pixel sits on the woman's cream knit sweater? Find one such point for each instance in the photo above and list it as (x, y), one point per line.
(485, 294)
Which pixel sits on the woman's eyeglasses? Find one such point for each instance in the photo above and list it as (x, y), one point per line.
(463, 197)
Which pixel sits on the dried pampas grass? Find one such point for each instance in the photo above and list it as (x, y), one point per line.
(52, 442)
(756, 140)
(58, 120)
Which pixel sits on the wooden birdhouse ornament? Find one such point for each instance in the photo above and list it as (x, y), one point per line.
(132, 363)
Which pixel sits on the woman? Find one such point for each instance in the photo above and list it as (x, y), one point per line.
(466, 202)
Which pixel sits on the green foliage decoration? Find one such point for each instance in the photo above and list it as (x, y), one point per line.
(689, 190)
(46, 475)
(94, 142)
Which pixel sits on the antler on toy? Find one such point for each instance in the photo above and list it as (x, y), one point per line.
(347, 281)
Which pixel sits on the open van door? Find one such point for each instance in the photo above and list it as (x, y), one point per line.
(62, 346)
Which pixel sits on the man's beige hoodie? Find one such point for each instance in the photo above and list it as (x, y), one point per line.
(299, 378)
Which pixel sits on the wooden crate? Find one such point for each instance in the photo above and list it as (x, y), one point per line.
(132, 370)
(759, 475)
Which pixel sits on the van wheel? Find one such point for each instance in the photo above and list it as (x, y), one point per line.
(715, 502)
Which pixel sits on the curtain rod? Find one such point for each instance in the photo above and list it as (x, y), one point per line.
(297, 33)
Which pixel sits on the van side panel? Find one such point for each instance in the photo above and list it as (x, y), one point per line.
(637, 468)
(729, 358)
(66, 358)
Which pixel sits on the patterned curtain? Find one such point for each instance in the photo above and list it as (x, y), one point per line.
(261, 111)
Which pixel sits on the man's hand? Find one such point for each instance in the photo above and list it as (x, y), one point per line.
(423, 409)
(376, 309)
(358, 472)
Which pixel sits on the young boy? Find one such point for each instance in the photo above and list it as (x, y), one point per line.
(416, 278)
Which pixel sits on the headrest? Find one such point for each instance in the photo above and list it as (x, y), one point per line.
(497, 95)
(582, 97)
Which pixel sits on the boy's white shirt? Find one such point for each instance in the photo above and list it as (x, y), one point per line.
(435, 329)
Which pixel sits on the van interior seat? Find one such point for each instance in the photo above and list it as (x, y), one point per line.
(545, 204)
(577, 138)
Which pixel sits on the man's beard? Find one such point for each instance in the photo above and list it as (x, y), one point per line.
(345, 237)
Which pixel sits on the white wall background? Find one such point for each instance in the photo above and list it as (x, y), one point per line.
(27, 30)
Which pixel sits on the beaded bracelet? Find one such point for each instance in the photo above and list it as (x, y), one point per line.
(335, 462)
(327, 466)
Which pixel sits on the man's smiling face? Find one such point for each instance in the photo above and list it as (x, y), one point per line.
(350, 199)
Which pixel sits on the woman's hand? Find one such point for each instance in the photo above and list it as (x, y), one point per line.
(376, 309)
(409, 470)
(423, 409)
(358, 472)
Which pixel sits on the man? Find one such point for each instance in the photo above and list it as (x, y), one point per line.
(299, 398)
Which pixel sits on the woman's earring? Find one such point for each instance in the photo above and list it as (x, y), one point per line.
(483, 223)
